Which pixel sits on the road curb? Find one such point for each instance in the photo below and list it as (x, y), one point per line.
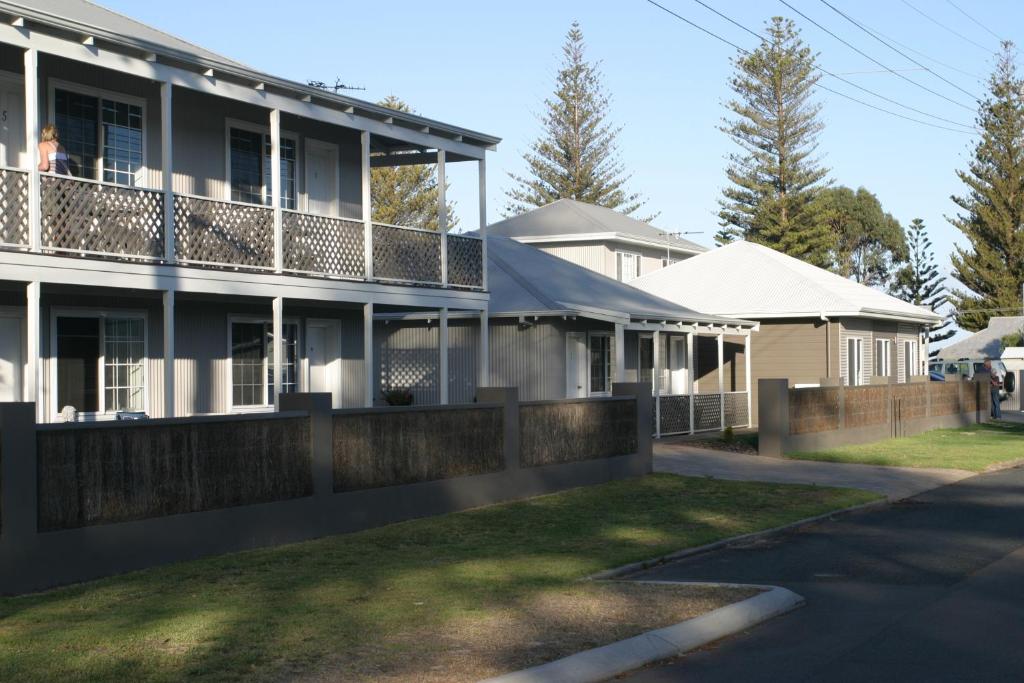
(604, 662)
(633, 567)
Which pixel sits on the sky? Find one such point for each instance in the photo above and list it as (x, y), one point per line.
(488, 66)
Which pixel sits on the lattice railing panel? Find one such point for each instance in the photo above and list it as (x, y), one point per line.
(86, 216)
(323, 245)
(707, 412)
(675, 414)
(736, 409)
(207, 231)
(404, 254)
(465, 261)
(13, 207)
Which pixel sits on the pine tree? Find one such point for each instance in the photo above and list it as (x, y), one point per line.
(776, 177)
(576, 156)
(406, 195)
(920, 283)
(868, 243)
(991, 269)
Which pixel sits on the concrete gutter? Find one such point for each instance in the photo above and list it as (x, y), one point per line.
(604, 662)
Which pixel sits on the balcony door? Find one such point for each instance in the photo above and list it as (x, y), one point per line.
(323, 358)
(12, 121)
(12, 357)
(321, 178)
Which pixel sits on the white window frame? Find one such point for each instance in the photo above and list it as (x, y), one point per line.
(885, 357)
(620, 255)
(858, 345)
(100, 314)
(300, 383)
(911, 359)
(610, 370)
(230, 123)
(54, 84)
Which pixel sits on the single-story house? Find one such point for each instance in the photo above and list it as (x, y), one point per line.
(986, 343)
(815, 326)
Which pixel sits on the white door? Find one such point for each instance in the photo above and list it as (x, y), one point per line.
(11, 359)
(677, 365)
(12, 122)
(323, 358)
(321, 178)
(576, 365)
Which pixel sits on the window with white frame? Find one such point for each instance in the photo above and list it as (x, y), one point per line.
(627, 265)
(100, 363)
(249, 154)
(600, 363)
(252, 362)
(883, 358)
(910, 360)
(103, 135)
(854, 361)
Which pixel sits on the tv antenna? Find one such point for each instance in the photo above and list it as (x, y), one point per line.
(336, 88)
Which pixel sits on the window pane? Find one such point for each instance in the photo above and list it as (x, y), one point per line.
(247, 363)
(78, 354)
(122, 142)
(288, 157)
(246, 166)
(600, 364)
(77, 118)
(289, 378)
(124, 346)
(646, 359)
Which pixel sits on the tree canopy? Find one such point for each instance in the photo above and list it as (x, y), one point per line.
(867, 242)
(919, 281)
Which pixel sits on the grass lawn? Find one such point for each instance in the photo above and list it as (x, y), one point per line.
(408, 601)
(973, 448)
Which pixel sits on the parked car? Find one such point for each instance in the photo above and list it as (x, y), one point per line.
(936, 376)
(969, 367)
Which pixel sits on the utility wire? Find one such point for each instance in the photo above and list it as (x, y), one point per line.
(829, 73)
(920, 54)
(872, 59)
(993, 33)
(901, 54)
(943, 26)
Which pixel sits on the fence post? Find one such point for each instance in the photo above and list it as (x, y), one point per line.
(642, 392)
(19, 504)
(321, 437)
(509, 398)
(772, 416)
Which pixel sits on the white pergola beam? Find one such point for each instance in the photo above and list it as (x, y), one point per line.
(168, 357)
(368, 355)
(442, 335)
(33, 352)
(275, 188)
(278, 343)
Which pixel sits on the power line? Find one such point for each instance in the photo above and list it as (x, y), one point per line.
(943, 26)
(994, 34)
(919, 53)
(901, 54)
(869, 57)
(875, 71)
(825, 71)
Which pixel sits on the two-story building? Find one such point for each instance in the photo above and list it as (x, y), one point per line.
(213, 245)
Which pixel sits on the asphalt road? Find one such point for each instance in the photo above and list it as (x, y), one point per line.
(929, 589)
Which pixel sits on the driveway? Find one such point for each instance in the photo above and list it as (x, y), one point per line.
(894, 482)
(929, 589)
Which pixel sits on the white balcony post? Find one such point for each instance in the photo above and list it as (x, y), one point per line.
(442, 335)
(746, 380)
(168, 301)
(35, 237)
(367, 197)
(482, 192)
(167, 170)
(442, 215)
(278, 351)
(691, 370)
(721, 379)
(620, 352)
(275, 187)
(368, 355)
(483, 364)
(33, 365)
(656, 381)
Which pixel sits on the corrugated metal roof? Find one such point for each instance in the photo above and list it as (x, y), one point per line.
(523, 279)
(985, 343)
(570, 217)
(751, 281)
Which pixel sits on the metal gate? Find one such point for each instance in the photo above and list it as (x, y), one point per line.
(1013, 402)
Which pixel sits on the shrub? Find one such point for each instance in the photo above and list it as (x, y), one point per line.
(398, 397)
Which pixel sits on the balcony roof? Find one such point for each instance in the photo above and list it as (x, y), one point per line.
(84, 19)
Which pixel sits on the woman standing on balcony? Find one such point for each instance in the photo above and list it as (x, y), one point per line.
(52, 156)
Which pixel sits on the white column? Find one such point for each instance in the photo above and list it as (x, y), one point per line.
(367, 198)
(620, 352)
(746, 382)
(33, 352)
(368, 355)
(32, 147)
(482, 199)
(483, 363)
(442, 337)
(656, 381)
(167, 163)
(721, 379)
(168, 297)
(278, 347)
(691, 369)
(442, 215)
(275, 187)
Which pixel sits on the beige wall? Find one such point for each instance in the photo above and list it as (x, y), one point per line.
(600, 256)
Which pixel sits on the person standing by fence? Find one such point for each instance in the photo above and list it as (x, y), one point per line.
(996, 376)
